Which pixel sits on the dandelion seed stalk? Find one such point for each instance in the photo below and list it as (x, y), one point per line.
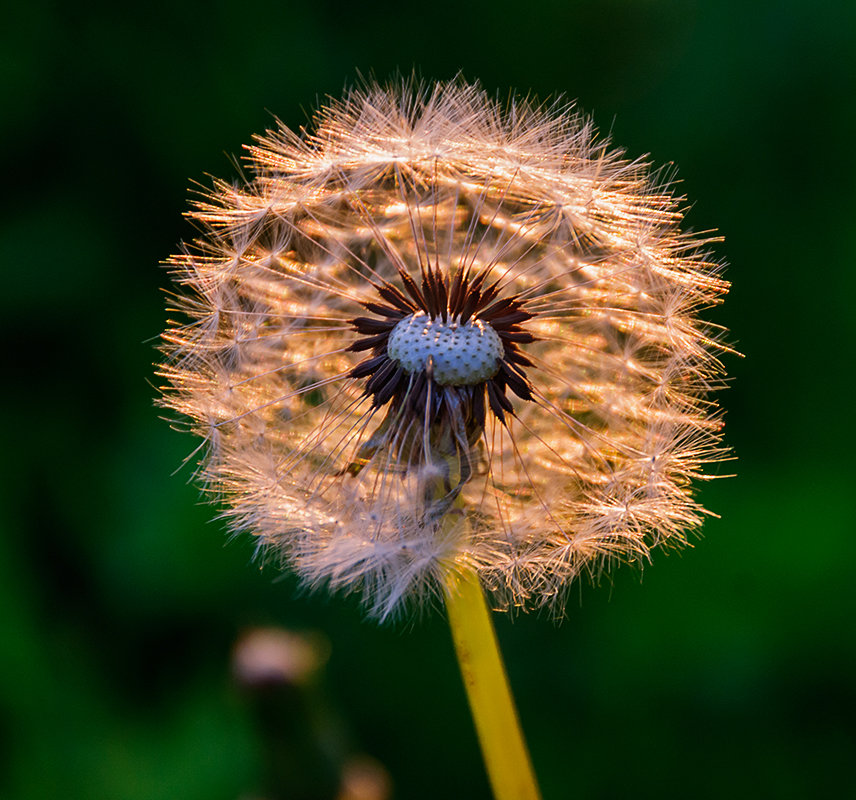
(497, 724)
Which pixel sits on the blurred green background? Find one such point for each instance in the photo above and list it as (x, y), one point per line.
(728, 672)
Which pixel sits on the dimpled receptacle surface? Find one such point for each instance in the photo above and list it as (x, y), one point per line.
(463, 354)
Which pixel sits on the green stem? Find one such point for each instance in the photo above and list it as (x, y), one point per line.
(500, 736)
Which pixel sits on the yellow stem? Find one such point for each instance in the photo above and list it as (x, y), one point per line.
(500, 736)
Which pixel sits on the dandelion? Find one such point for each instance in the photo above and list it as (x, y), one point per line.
(436, 342)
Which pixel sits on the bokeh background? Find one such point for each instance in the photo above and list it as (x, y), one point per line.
(729, 671)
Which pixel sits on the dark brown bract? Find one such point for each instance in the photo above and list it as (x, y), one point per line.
(416, 400)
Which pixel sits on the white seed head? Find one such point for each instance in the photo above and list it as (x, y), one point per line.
(565, 418)
(463, 354)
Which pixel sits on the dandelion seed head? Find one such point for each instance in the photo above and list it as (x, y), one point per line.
(432, 333)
